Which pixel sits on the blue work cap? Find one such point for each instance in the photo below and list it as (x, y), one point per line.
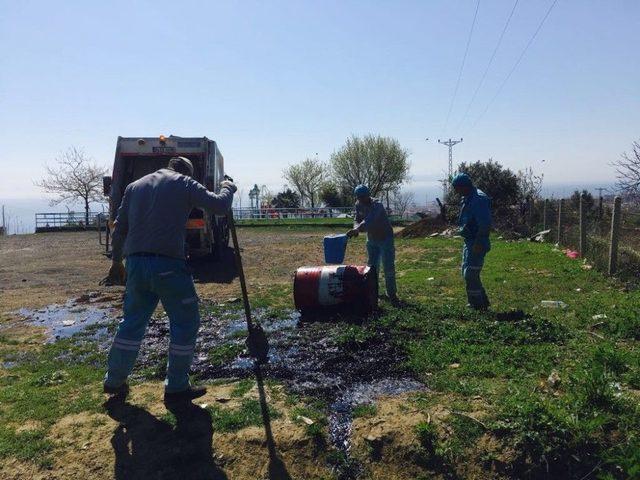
(462, 180)
(362, 191)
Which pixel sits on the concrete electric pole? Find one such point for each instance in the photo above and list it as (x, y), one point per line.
(449, 143)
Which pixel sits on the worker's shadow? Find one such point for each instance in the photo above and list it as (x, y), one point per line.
(214, 269)
(146, 447)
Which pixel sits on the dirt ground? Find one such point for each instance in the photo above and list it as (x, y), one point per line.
(38, 270)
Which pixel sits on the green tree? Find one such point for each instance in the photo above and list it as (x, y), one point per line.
(333, 196)
(286, 199)
(500, 183)
(376, 161)
(306, 177)
(588, 199)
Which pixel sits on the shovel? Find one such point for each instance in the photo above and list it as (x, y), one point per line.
(257, 343)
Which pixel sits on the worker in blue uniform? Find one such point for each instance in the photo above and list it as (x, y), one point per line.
(371, 217)
(150, 232)
(475, 225)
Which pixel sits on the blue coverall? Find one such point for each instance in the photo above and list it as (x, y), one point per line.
(475, 224)
(373, 219)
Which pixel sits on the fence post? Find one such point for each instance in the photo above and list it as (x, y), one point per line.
(615, 232)
(600, 208)
(583, 226)
(545, 210)
(560, 205)
(530, 208)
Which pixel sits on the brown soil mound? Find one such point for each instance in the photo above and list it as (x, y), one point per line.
(422, 228)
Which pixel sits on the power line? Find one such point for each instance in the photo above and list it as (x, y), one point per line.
(486, 70)
(464, 59)
(515, 65)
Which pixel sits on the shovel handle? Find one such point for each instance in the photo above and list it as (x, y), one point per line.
(243, 283)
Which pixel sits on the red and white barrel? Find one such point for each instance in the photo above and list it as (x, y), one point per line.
(332, 285)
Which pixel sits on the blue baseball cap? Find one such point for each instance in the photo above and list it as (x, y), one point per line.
(462, 180)
(362, 191)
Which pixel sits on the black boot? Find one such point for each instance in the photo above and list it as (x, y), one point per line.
(185, 395)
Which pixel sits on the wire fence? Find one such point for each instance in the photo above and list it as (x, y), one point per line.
(588, 228)
(268, 213)
(69, 221)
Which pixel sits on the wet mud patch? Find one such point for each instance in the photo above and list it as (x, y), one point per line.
(345, 361)
(87, 312)
(341, 360)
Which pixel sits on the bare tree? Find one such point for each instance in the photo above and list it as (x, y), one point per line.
(628, 172)
(400, 201)
(306, 178)
(530, 184)
(378, 162)
(74, 178)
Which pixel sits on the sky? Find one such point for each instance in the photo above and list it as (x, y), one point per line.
(274, 82)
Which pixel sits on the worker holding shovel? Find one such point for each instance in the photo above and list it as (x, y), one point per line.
(475, 224)
(371, 217)
(150, 232)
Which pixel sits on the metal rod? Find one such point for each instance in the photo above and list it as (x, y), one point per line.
(615, 234)
(243, 283)
(583, 226)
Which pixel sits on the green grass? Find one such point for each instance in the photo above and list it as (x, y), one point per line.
(232, 420)
(242, 387)
(364, 410)
(224, 353)
(590, 421)
(316, 411)
(587, 421)
(47, 386)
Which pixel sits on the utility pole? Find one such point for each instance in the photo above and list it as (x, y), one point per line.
(449, 143)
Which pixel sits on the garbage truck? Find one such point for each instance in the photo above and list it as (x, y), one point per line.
(138, 156)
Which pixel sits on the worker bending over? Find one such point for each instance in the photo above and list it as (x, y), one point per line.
(149, 231)
(475, 224)
(371, 217)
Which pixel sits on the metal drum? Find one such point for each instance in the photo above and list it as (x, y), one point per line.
(336, 285)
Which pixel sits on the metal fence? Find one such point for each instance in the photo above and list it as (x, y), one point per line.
(605, 232)
(291, 213)
(69, 221)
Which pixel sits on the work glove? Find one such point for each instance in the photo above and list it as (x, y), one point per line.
(117, 274)
(353, 233)
(228, 184)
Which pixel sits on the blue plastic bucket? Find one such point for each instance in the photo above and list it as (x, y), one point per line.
(334, 248)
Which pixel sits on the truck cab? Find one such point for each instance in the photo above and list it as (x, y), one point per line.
(138, 156)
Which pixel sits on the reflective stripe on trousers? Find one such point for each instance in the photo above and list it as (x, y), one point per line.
(149, 280)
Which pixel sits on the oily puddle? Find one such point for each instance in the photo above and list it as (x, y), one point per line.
(339, 359)
(88, 312)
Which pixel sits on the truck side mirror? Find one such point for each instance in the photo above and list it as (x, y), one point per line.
(106, 185)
